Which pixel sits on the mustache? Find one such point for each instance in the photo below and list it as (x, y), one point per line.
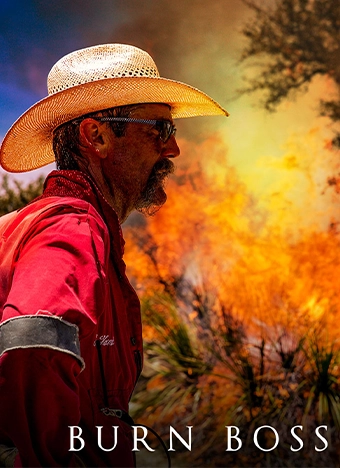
(161, 170)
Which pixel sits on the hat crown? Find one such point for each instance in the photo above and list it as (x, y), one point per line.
(99, 63)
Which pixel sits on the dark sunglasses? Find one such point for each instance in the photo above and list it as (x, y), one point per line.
(164, 127)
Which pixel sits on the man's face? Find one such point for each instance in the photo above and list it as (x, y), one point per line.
(139, 161)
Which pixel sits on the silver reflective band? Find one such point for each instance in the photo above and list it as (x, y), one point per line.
(40, 331)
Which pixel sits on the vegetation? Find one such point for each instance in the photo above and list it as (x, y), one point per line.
(15, 194)
(291, 42)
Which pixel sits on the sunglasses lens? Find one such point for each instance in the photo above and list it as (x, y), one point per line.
(166, 130)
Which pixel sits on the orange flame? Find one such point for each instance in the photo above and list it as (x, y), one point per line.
(213, 234)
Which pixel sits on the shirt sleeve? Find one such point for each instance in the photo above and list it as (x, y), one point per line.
(59, 269)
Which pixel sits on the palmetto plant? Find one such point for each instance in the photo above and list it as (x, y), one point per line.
(173, 364)
(225, 377)
(323, 382)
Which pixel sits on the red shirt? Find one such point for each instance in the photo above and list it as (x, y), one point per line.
(62, 256)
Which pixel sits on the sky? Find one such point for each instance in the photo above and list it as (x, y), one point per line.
(282, 158)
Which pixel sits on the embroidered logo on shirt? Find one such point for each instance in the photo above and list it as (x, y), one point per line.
(104, 340)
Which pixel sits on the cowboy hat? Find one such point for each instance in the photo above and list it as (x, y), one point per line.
(90, 80)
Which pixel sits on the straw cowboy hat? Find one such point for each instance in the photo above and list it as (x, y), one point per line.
(89, 80)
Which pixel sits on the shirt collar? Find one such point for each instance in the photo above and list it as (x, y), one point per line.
(76, 184)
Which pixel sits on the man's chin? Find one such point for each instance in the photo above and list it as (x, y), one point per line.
(150, 206)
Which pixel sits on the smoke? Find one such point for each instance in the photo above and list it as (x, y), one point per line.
(189, 41)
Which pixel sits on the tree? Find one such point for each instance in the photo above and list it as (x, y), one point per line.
(295, 40)
(14, 194)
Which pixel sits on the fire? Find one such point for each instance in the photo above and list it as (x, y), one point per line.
(213, 234)
(241, 304)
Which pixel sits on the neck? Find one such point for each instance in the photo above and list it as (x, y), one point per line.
(113, 196)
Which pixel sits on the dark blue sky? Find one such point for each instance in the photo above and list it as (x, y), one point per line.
(33, 36)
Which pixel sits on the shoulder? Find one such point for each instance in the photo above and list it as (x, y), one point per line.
(60, 214)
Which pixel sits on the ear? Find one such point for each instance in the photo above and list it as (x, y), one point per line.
(94, 137)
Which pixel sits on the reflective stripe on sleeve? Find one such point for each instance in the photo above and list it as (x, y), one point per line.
(40, 331)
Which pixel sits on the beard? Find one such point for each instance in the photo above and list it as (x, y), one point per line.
(153, 195)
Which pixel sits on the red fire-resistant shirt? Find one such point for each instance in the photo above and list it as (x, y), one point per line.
(62, 256)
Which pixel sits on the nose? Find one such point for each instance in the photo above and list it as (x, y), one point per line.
(171, 149)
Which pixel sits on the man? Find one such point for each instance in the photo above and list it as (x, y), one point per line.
(70, 337)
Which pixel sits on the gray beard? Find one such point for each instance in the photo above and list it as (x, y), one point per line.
(153, 196)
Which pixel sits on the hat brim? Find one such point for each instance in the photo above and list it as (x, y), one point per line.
(28, 143)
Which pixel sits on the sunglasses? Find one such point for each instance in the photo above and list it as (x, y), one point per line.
(164, 127)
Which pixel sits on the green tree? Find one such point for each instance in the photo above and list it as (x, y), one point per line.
(15, 194)
(294, 40)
